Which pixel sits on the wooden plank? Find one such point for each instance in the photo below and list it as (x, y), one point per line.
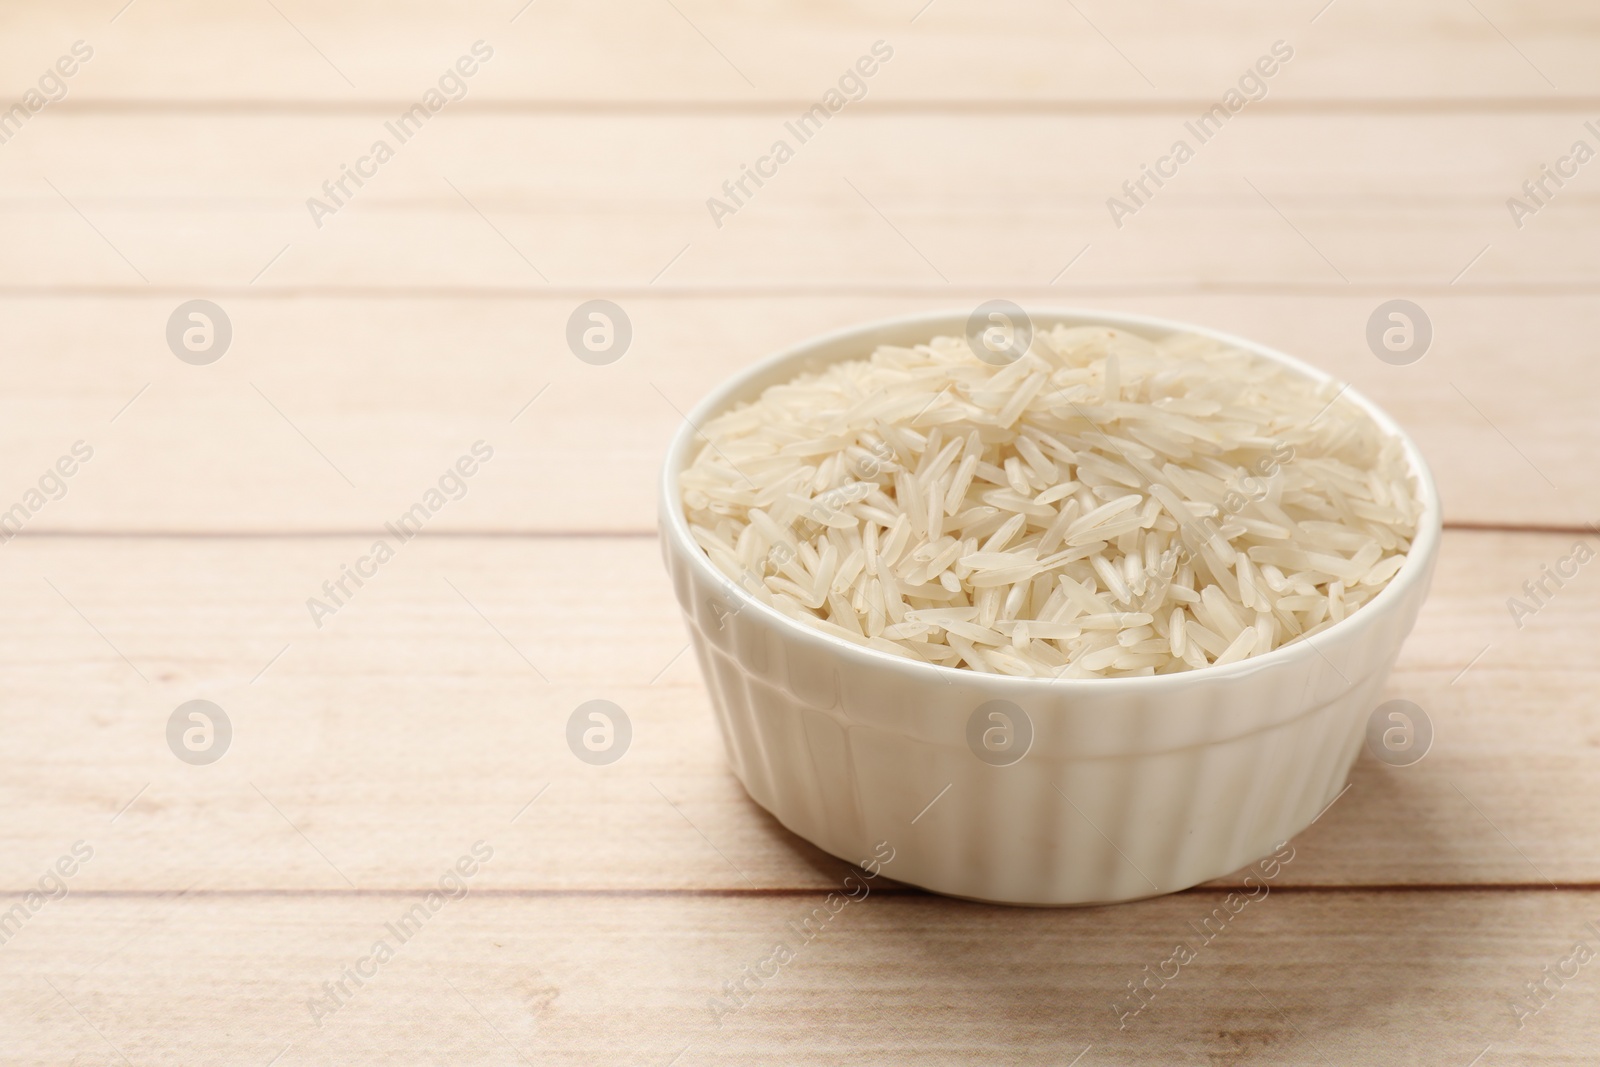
(428, 713)
(613, 50)
(1380, 201)
(1404, 978)
(392, 390)
(409, 722)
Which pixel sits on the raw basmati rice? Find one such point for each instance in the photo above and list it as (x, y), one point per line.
(1103, 506)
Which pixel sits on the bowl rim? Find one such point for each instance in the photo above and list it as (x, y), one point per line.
(674, 528)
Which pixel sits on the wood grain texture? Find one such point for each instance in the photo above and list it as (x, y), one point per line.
(428, 713)
(409, 722)
(695, 50)
(338, 414)
(1295, 978)
(1273, 199)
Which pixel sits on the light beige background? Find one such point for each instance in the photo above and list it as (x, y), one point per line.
(369, 353)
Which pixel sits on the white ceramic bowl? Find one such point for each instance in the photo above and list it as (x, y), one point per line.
(1131, 787)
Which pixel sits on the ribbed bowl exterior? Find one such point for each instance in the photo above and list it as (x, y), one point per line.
(1132, 787)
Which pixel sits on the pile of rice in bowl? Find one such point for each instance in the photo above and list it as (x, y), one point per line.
(1102, 506)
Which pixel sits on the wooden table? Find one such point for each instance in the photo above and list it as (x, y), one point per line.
(373, 744)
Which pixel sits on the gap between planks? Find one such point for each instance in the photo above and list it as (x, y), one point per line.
(1334, 105)
(807, 891)
(1383, 288)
